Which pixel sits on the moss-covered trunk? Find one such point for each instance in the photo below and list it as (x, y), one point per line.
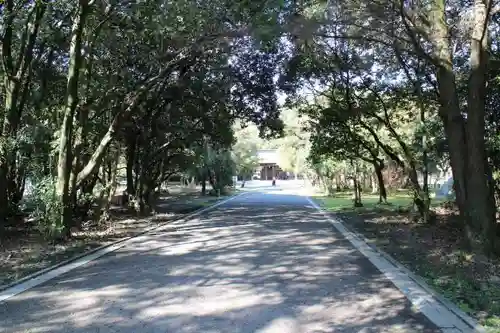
(466, 138)
(66, 134)
(17, 75)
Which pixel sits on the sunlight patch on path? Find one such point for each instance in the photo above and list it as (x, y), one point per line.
(422, 301)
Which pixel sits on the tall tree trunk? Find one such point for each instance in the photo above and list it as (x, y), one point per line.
(342, 180)
(466, 137)
(16, 76)
(203, 185)
(424, 209)
(481, 207)
(381, 185)
(130, 157)
(357, 188)
(450, 108)
(19, 182)
(373, 181)
(453, 124)
(420, 198)
(110, 187)
(357, 192)
(66, 134)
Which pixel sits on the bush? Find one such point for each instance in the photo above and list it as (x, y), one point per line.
(47, 209)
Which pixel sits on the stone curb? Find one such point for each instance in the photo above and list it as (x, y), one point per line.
(62, 263)
(121, 240)
(468, 320)
(448, 304)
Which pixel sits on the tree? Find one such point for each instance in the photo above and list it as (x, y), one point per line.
(245, 152)
(17, 74)
(294, 146)
(341, 137)
(440, 51)
(91, 84)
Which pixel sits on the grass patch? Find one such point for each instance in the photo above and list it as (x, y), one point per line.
(343, 202)
(434, 252)
(396, 201)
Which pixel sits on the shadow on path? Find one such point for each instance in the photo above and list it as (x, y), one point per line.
(254, 265)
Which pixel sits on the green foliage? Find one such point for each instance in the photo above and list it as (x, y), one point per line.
(221, 167)
(47, 209)
(152, 79)
(245, 160)
(326, 170)
(212, 164)
(342, 201)
(492, 324)
(291, 142)
(471, 296)
(294, 146)
(161, 84)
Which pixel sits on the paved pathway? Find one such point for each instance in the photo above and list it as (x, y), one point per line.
(263, 262)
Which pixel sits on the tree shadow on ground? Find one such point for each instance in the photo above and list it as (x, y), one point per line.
(437, 253)
(24, 250)
(255, 268)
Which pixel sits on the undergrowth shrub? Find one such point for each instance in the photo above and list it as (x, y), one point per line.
(47, 209)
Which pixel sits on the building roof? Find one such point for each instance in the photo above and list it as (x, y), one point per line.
(268, 156)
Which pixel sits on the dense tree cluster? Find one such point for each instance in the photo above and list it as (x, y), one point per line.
(90, 86)
(156, 86)
(407, 82)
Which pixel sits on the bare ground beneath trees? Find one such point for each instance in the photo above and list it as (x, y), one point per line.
(437, 254)
(24, 251)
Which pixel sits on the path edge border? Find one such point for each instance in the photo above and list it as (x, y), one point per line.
(420, 281)
(5, 289)
(465, 318)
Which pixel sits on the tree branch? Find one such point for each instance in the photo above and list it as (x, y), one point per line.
(8, 63)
